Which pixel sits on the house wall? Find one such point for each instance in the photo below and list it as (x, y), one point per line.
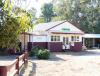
(45, 41)
(74, 45)
(55, 46)
(77, 47)
(67, 35)
(37, 40)
(41, 44)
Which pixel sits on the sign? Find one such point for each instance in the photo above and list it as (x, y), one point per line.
(65, 29)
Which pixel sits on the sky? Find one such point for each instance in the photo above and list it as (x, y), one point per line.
(37, 4)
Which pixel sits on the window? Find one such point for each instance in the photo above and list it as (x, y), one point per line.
(52, 38)
(75, 38)
(58, 38)
(72, 38)
(55, 38)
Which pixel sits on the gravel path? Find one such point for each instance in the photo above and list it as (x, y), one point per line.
(66, 64)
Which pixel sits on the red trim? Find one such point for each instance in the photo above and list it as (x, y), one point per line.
(67, 33)
(56, 25)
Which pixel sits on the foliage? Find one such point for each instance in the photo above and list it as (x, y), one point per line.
(40, 20)
(32, 12)
(39, 52)
(43, 54)
(84, 12)
(24, 18)
(63, 9)
(31, 53)
(9, 32)
(11, 25)
(47, 11)
(34, 50)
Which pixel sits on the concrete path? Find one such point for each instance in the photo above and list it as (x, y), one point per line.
(66, 64)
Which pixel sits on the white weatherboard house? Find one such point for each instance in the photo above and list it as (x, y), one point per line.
(56, 36)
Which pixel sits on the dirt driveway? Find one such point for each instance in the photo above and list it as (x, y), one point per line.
(66, 64)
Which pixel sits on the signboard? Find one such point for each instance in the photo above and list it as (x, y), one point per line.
(65, 29)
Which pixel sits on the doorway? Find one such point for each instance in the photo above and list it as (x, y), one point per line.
(65, 42)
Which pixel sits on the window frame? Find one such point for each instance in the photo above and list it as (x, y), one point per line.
(55, 38)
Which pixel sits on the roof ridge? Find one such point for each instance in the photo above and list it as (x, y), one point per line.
(56, 25)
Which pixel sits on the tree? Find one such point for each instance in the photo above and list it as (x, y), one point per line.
(32, 12)
(90, 9)
(23, 17)
(47, 11)
(63, 9)
(39, 20)
(8, 28)
(11, 25)
(84, 12)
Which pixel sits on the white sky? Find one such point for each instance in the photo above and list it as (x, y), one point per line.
(27, 4)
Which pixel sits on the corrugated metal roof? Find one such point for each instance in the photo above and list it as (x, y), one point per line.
(91, 36)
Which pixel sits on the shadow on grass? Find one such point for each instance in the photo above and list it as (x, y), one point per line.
(28, 69)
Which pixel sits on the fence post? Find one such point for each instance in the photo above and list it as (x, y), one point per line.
(17, 65)
(3, 70)
(25, 57)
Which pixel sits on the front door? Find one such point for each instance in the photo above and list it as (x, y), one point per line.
(65, 43)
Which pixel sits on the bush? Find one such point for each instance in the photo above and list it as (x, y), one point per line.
(34, 51)
(43, 54)
(31, 53)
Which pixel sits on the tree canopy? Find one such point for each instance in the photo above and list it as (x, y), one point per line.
(12, 23)
(84, 12)
(47, 11)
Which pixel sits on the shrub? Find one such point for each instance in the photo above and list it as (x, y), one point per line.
(43, 54)
(31, 53)
(34, 51)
